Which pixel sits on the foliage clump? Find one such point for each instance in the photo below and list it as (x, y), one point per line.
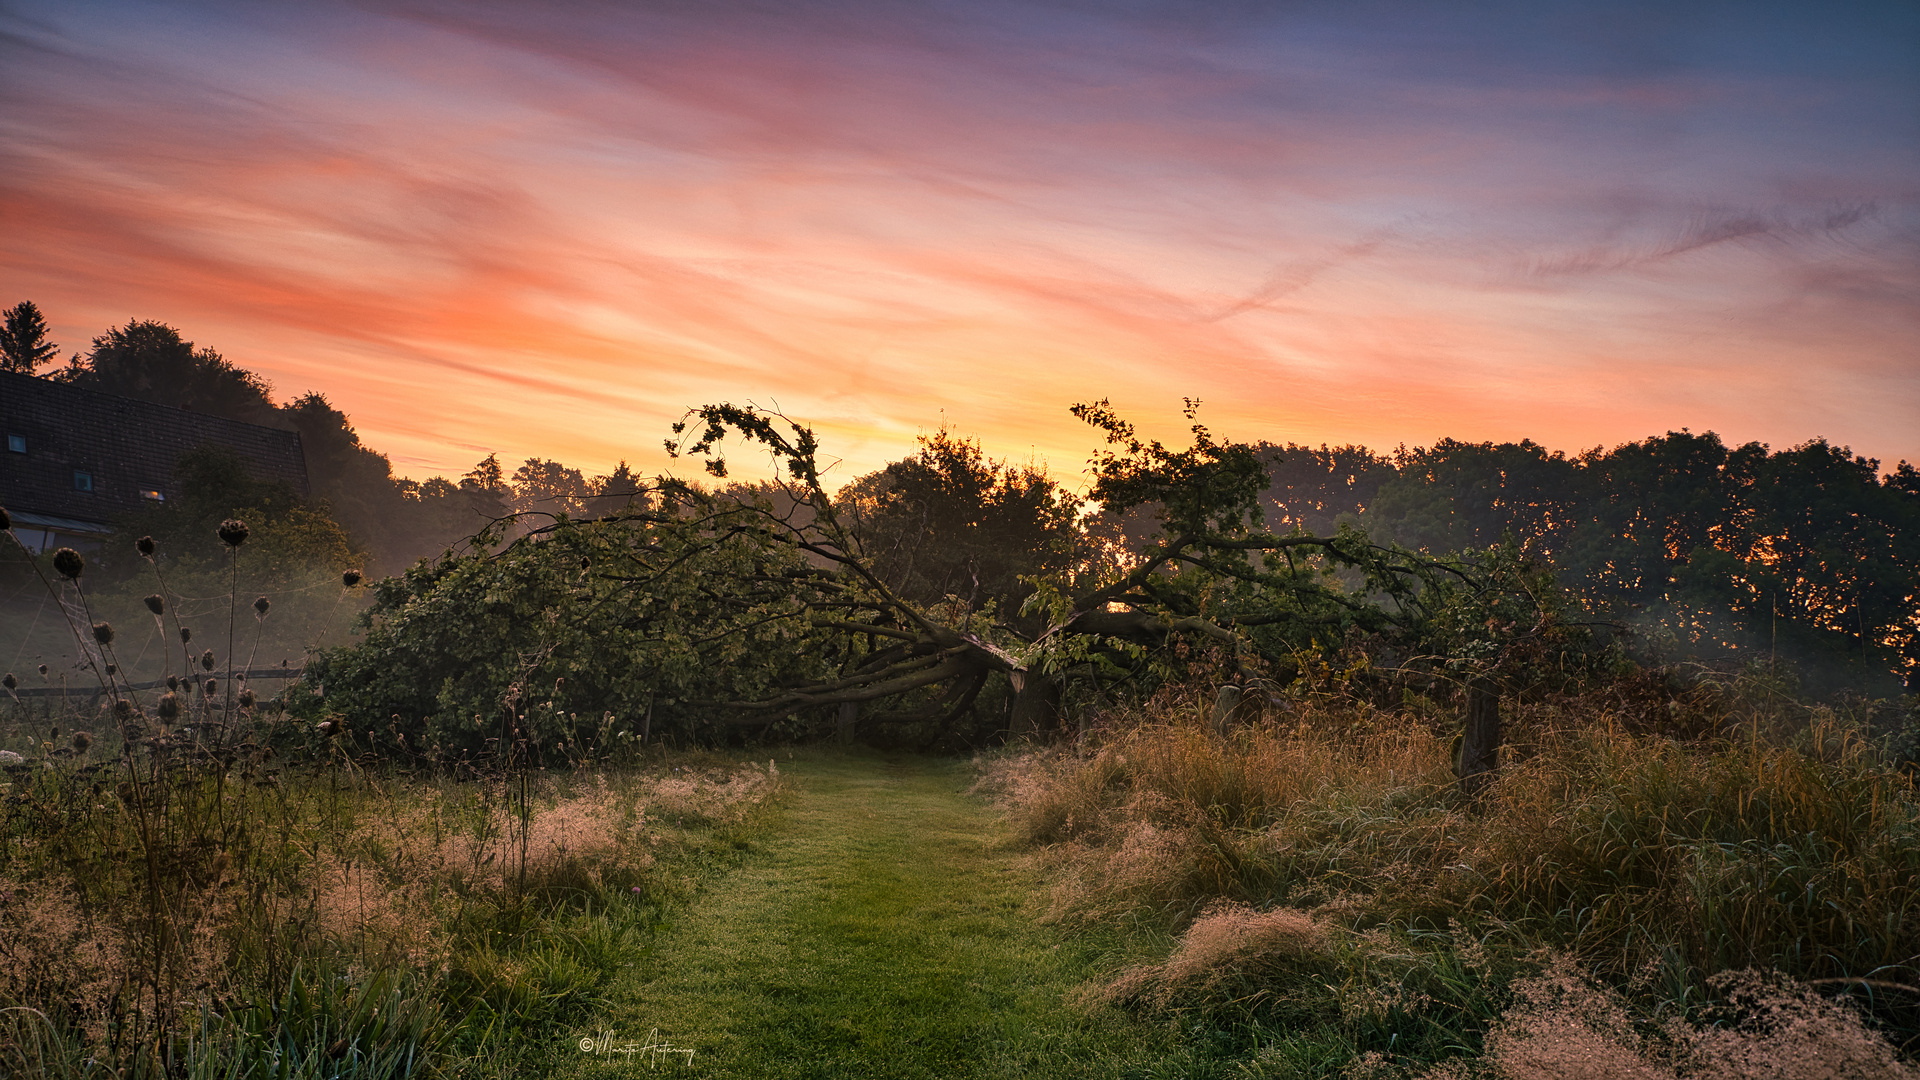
(586, 633)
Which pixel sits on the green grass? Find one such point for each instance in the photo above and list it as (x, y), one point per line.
(885, 930)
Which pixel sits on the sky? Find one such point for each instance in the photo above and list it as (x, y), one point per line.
(549, 229)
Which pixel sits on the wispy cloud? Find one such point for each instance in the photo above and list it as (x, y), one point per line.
(548, 229)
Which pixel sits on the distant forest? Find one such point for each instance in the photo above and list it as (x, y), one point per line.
(1701, 550)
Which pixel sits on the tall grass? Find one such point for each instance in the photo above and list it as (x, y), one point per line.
(1652, 864)
(209, 887)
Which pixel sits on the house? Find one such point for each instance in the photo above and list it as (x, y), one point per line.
(75, 460)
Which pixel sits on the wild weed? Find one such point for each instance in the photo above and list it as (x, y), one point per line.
(1651, 862)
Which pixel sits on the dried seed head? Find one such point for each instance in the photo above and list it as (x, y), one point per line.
(169, 707)
(43, 671)
(350, 578)
(123, 708)
(9, 681)
(329, 728)
(246, 698)
(206, 660)
(233, 532)
(112, 668)
(262, 604)
(144, 546)
(103, 633)
(173, 682)
(69, 564)
(186, 634)
(157, 604)
(82, 740)
(212, 687)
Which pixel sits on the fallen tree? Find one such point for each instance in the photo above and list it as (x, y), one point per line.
(696, 613)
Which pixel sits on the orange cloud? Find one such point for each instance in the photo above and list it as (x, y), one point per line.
(549, 232)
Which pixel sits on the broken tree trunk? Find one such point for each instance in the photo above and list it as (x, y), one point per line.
(1224, 704)
(844, 723)
(1036, 705)
(1480, 743)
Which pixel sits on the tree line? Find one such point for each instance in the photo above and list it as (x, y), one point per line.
(952, 593)
(392, 521)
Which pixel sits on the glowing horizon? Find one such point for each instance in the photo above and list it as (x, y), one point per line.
(548, 230)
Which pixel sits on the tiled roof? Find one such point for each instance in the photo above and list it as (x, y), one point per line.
(119, 446)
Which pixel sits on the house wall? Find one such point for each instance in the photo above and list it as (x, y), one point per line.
(90, 458)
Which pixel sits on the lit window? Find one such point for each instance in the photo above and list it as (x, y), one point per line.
(17, 444)
(156, 496)
(83, 481)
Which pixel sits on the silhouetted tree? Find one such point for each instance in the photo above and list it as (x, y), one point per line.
(1316, 490)
(150, 360)
(23, 339)
(485, 486)
(951, 522)
(616, 490)
(549, 487)
(1456, 495)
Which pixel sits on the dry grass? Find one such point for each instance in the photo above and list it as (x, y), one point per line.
(1229, 946)
(1563, 1026)
(1619, 848)
(343, 869)
(392, 887)
(1653, 864)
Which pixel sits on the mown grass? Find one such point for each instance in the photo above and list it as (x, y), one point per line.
(889, 932)
(1318, 889)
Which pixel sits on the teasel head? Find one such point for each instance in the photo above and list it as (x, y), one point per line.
(157, 604)
(350, 578)
(186, 634)
(68, 563)
(173, 682)
(206, 660)
(112, 670)
(123, 708)
(233, 532)
(43, 671)
(211, 686)
(103, 633)
(144, 546)
(82, 740)
(169, 706)
(246, 698)
(261, 605)
(9, 681)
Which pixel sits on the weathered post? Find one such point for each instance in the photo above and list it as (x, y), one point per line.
(844, 723)
(1480, 742)
(1224, 703)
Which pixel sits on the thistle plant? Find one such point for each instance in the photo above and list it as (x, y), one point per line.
(233, 533)
(260, 608)
(156, 602)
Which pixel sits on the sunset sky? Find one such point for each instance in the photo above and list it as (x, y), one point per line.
(548, 229)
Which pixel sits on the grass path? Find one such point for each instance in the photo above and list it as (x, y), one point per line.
(884, 931)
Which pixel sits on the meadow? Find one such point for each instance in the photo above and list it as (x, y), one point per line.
(1221, 803)
(1701, 878)
(1688, 877)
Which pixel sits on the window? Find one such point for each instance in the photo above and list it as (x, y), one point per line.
(17, 444)
(83, 481)
(156, 496)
